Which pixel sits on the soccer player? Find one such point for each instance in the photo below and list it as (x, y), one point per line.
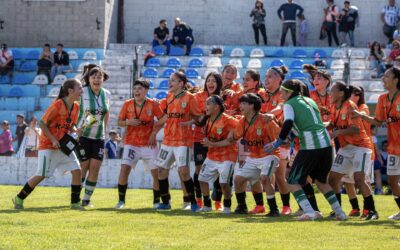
(58, 120)
(137, 115)
(180, 107)
(314, 158)
(95, 103)
(222, 153)
(388, 110)
(230, 89)
(212, 86)
(354, 155)
(255, 133)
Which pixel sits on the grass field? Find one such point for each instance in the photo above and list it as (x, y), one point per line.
(48, 223)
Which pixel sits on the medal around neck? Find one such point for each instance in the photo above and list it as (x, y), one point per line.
(243, 141)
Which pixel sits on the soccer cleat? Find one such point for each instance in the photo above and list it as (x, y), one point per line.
(364, 213)
(87, 204)
(286, 210)
(186, 206)
(227, 210)
(194, 207)
(163, 206)
(298, 213)
(318, 215)
(331, 215)
(395, 216)
(259, 209)
(120, 205)
(18, 203)
(354, 213)
(273, 213)
(341, 216)
(372, 215)
(77, 206)
(241, 210)
(306, 217)
(155, 205)
(199, 202)
(205, 209)
(218, 206)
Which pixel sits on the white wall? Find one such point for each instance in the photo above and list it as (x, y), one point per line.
(228, 21)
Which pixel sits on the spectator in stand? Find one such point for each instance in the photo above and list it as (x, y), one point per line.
(6, 60)
(46, 60)
(331, 15)
(343, 27)
(390, 17)
(161, 35)
(32, 134)
(111, 147)
(20, 130)
(396, 33)
(377, 59)
(394, 53)
(352, 20)
(290, 11)
(6, 148)
(377, 162)
(258, 14)
(182, 35)
(304, 30)
(61, 61)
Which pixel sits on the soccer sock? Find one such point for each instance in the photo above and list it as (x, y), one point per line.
(207, 201)
(197, 185)
(89, 189)
(369, 203)
(339, 198)
(301, 198)
(258, 198)
(75, 193)
(164, 191)
(122, 192)
(333, 201)
(227, 202)
(25, 191)
(354, 203)
(218, 191)
(156, 196)
(83, 181)
(397, 200)
(190, 190)
(272, 203)
(241, 199)
(285, 199)
(309, 191)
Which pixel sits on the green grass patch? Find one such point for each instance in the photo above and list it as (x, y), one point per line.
(48, 223)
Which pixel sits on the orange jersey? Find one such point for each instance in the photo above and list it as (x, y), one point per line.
(342, 119)
(324, 104)
(257, 134)
(201, 98)
(218, 131)
(139, 135)
(58, 122)
(389, 112)
(179, 108)
(271, 102)
(364, 108)
(261, 92)
(232, 102)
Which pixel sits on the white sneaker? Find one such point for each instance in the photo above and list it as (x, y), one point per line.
(341, 216)
(155, 205)
(307, 217)
(227, 210)
(120, 205)
(298, 213)
(186, 206)
(395, 216)
(205, 209)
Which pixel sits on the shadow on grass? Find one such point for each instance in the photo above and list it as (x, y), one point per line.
(382, 223)
(34, 209)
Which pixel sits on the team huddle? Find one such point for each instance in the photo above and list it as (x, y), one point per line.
(277, 134)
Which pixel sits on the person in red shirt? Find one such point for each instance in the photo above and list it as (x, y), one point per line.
(180, 107)
(388, 111)
(137, 115)
(58, 121)
(222, 153)
(395, 52)
(255, 133)
(354, 155)
(212, 86)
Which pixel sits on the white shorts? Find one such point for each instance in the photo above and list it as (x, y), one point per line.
(284, 153)
(369, 178)
(132, 154)
(211, 170)
(351, 159)
(167, 155)
(393, 165)
(244, 151)
(50, 160)
(253, 168)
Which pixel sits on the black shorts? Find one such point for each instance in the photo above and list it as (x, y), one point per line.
(199, 153)
(315, 163)
(90, 149)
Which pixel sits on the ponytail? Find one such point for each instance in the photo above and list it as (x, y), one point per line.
(68, 84)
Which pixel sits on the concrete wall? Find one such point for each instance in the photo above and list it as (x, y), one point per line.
(228, 21)
(32, 23)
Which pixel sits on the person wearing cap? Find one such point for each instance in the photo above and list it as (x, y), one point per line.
(20, 130)
(61, 61)
(182, 35)
(111, 146)
(6, 147)
(6, 60)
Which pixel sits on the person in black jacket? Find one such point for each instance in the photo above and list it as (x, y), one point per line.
(290, 11)
(182, 35)
(61, 61)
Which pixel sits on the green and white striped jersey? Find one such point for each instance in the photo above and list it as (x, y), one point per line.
(96, 107)
(308, 125)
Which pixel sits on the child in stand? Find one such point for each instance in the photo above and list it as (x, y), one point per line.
(304, 30)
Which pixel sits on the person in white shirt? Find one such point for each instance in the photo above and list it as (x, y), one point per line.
(390, 17)
(32, 139)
